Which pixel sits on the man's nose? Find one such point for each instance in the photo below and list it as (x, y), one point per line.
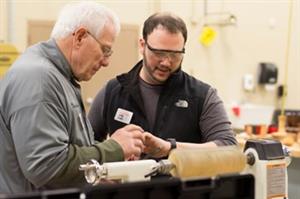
(105, 61)
(166, 60)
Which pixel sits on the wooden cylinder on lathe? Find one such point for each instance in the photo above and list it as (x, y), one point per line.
(207, 162)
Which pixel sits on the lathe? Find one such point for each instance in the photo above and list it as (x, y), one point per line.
(266, 160)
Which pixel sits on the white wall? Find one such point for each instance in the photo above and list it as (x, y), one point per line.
(236, 51)
(260, 35)
(3, 21)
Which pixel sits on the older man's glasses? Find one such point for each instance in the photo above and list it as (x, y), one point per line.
(173, 55)
(107, 52)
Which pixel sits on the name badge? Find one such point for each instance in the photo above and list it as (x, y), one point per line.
(123, 116)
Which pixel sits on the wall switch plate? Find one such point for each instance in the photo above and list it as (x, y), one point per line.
(248, 82)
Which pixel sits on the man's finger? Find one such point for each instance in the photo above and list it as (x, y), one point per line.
(138, 135)
(133, 127)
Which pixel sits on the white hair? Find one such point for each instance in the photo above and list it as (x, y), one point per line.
(90, 15)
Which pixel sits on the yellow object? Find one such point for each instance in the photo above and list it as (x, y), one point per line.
(207, 162)
(8, 54)
(207, 36)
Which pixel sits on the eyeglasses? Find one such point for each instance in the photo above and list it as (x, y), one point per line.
(174, 55)
(107, 52)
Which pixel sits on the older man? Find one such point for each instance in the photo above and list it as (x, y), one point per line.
(44, 134)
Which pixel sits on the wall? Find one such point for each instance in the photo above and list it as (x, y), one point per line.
(260, 35)
(3, 21)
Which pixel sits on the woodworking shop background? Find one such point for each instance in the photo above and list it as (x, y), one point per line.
(227, 41)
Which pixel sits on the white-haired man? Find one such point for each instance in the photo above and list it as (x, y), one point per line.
(44, 134)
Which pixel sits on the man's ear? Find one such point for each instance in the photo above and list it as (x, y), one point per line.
(79, 35)
(142, 45)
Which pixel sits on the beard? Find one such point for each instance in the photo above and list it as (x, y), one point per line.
(151, 72)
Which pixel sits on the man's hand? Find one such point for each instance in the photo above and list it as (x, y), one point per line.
(131, 139)
(155, 146)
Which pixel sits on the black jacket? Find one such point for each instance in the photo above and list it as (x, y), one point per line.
(178, 110)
